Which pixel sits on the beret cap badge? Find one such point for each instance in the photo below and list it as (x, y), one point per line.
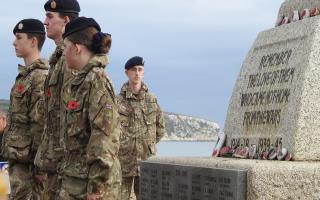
(20, 26)
(134, 61)
(53, 4)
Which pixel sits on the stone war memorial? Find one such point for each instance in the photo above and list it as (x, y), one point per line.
(272, 130)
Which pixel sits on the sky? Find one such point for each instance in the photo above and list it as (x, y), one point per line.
(193, 49)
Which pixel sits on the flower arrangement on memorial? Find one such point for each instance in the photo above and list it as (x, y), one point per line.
(245, 152)
(297, 15)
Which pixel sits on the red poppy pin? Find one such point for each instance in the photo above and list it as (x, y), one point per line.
(49, 93)
(72, 105)
(20, 88)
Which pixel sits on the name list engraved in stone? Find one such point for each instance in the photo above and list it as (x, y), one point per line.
(191, 183)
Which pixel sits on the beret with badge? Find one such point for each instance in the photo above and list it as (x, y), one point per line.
(62, 6)
(134, 61)
(29, 26)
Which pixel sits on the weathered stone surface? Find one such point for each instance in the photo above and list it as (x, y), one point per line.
(276, 97)
(265, 179)
(290, 5)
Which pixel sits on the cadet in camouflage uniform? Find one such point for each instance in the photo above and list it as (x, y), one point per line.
(25, 118)
(91, 169)
(142, 125)
(50, 152)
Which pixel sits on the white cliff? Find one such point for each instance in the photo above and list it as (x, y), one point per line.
(182, 127)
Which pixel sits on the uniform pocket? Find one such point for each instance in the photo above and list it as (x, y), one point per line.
(52, 92)
(75, 187)
(124, 127)
(18, 147)
(150, 113)
(76, 120)
(77, 125)
(19, 101)
(107, 117)
(76, 166)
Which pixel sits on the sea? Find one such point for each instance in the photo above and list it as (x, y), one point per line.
(185, 148)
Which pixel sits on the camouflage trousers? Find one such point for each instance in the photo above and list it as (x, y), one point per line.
(52, 187)
(127, 184)
(74, 188)
(23, 184)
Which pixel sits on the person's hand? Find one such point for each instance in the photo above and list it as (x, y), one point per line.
(41, 178)
(94, 196)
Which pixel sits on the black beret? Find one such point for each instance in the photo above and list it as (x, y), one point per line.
(29, 26)
(134, 61)
(79, 24)
(62, 6)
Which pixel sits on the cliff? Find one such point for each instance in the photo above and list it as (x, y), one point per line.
(178, 127)
(182, 127)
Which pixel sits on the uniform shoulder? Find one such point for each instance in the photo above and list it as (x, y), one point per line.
(151, 97)
(41, 64)
(97, 73)
(100, 81)
(119, 98)
(40, 70)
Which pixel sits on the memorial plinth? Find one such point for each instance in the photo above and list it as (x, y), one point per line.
(275, 106)
(276, 99)
(265, 179)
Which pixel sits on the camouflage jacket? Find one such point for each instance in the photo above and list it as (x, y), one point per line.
(92, 126)
(142, 125)
(25, 118)
(50, 152)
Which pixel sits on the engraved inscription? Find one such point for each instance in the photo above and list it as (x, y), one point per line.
(273, 84)
(191, 183)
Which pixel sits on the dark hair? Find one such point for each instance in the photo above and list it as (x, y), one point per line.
(71, 16)
(40, 38)
(97, 42)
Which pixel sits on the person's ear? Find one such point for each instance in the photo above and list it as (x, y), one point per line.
(34, 42)
(78, 48)
(66, 20)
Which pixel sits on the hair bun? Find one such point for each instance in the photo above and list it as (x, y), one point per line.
(97, 42)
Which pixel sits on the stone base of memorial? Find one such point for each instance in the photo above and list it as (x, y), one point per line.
(227, 178)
